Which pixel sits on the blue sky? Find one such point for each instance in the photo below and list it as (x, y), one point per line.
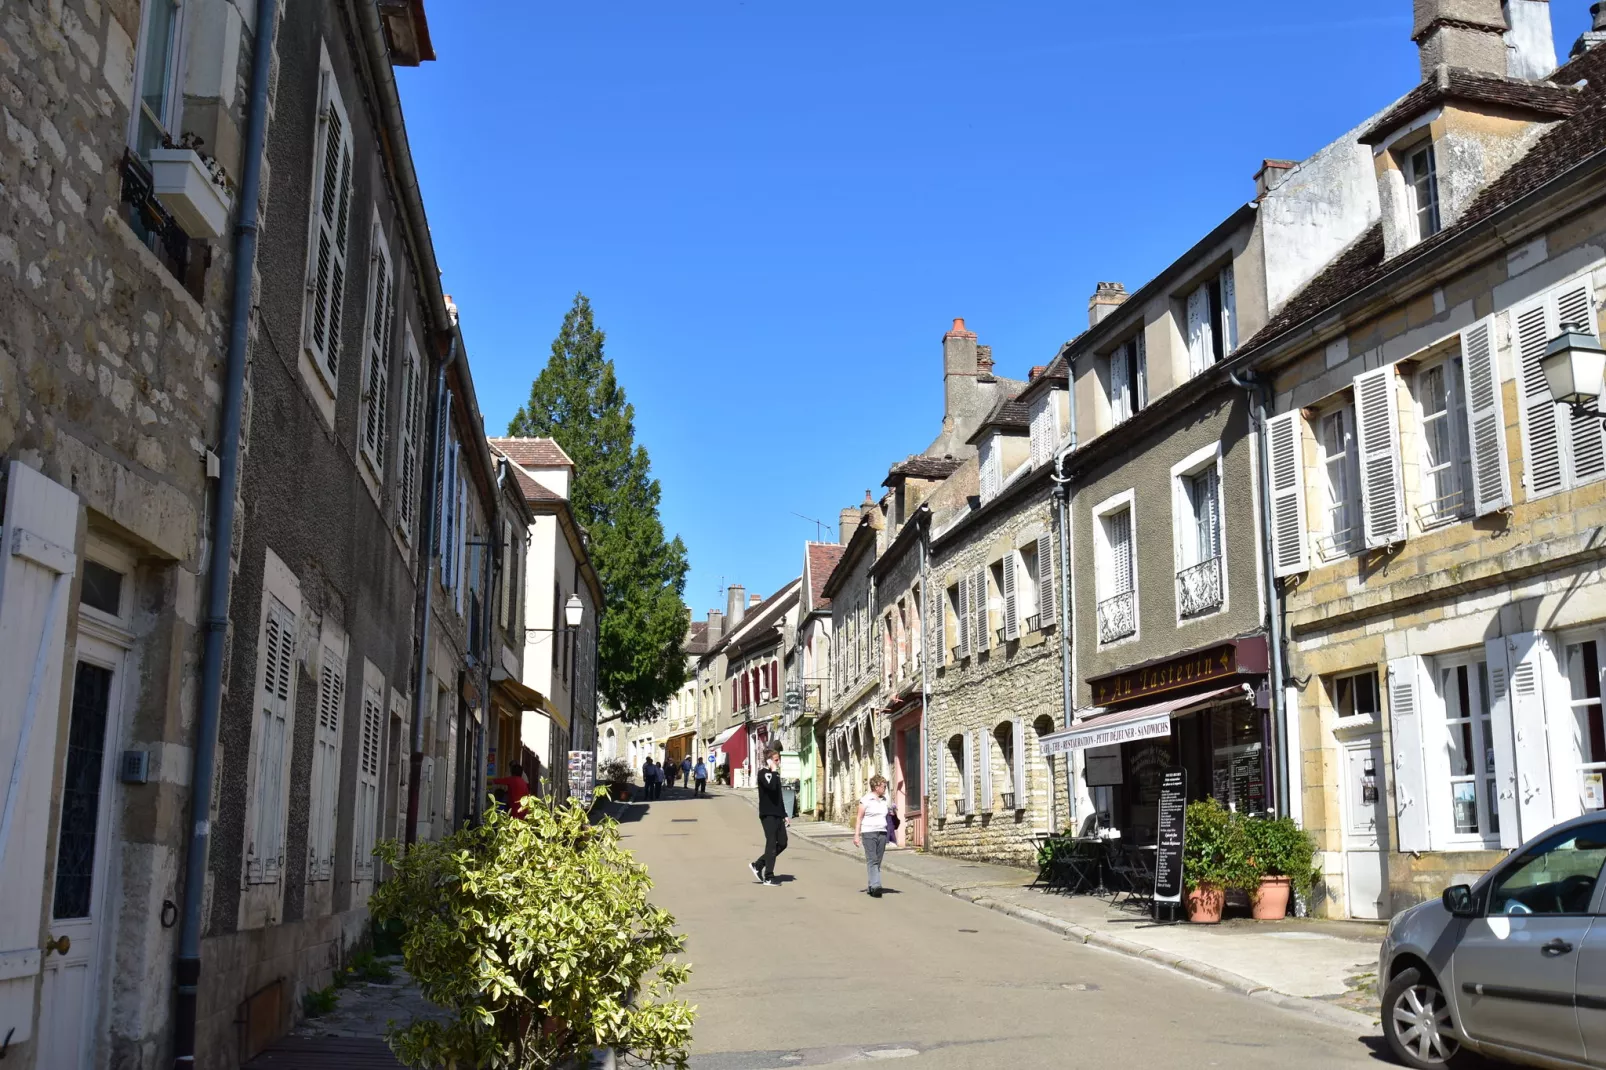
(777, 208)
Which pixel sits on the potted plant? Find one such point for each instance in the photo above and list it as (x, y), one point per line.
(1284, 855)
(615, 772)
(1215, 858)
(191, 185)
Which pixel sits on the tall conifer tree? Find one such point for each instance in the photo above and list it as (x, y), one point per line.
(578, 401)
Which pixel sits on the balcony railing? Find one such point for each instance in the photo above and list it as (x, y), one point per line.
(1199, 588)
(1116, 618)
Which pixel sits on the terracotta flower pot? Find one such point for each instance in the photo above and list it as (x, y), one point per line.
(1271, 900)
(1205, 904)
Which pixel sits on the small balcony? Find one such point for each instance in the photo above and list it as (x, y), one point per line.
(1117, 618)
(1199, 588)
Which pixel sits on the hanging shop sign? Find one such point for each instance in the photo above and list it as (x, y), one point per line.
(1219, 663)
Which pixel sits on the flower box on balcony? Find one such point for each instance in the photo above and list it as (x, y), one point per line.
(181, 181)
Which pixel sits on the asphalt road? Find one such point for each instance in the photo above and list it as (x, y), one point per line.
(815, 972)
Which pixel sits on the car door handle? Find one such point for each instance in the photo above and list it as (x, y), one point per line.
(1557, 946)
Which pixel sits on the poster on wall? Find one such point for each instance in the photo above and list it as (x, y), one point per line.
(1170, 831)
(1102, 765)
(1594, 791)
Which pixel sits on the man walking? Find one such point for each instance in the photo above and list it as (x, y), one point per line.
(700, 774)
(685, 771)
(772, 815)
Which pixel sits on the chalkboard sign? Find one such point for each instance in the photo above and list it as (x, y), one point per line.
(1168, 843)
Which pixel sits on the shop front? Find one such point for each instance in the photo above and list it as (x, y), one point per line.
(1198, 712)
(907, 776)
(677, 748)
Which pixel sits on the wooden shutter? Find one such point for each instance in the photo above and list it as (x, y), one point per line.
(412, 417)
(969, 773)
(1045, 582)
(1573, 303)
(1541, 427)
(1378, 429)
(37, 562)
(1018, 765)
(1043, 438)
(984, 757)
(442, 509)
(1011, 597)
(366, 812)
(1410, 765)
(1120, 386)
(1118, 528)
(1290, 548)
(987, 458)
(938, 655)
(1505, 750)
(961, 617)
(978, 586)
(942, 783)
(1229, 311)
(265, 852)
(331, 231)
(326, 765)
(381, 326)
(1486, 421)
(1140, 372)
(1530, 745)
(1200, 349)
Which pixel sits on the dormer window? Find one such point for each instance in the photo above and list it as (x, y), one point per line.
(990, 458)
(1045, 427)
(1129, 379)
(1212, 312)
(1421, 180)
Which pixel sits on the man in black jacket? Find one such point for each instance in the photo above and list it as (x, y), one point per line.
(772, 815)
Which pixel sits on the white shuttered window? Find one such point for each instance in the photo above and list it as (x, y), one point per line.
(1486, 420)
(990, 459)
(265, 851)
(981, 633)
(1011, 593)
(366, 814)
(1045, 428)
(1378, 429)
(326, 765)
(377, 344)
(412, 422)
(1410, 767)
(330, 232)
(1045, 582)
(1560, 452)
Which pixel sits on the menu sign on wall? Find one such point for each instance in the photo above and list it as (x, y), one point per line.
(1171, 830)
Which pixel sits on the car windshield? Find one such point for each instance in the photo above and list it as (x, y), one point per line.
(1555, 876)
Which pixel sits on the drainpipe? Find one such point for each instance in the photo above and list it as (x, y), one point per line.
(925, 687)
(426, 595)
(1062, 501)
(188, 966)
(1255, 386)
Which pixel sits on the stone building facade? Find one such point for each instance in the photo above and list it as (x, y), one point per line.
(1444, 602)
(855, 729)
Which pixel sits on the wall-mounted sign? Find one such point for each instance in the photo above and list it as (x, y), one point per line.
(1202, 666)
(1102, 766)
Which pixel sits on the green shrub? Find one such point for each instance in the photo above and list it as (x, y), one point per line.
(536, 936)
(1280, 848)
(1216, 848)
(613, 771)
(317, 1002)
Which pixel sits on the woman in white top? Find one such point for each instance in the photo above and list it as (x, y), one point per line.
(870, 830)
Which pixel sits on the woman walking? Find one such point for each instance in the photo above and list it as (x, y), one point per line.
(870, 830)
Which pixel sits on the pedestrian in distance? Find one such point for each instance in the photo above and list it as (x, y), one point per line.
(646, 779)
(871, 828)
(685, 771)
(700, 775)
(669, 773)
(772, 815)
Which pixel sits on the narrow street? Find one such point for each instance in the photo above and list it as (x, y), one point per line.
(814, 972)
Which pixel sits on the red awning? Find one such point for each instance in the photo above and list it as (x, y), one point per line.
(736, 747)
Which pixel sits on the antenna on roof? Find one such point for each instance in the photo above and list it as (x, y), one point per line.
(819, 525)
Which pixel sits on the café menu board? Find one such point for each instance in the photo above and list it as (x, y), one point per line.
(1168, 840)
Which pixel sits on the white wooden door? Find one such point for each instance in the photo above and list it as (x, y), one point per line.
(69, 999)
(36, 566)
(1365, 829)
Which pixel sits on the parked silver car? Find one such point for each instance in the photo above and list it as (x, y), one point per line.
(1513, 966)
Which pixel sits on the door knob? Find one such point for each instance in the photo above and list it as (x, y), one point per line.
(60, 945)
(1557, 946)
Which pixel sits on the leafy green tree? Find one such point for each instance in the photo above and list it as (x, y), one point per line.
(578, 401)
(535, 935)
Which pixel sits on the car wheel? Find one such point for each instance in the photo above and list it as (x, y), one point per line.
(1416, 1022)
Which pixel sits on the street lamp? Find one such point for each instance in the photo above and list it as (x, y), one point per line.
(573, 611)
(1575, 367)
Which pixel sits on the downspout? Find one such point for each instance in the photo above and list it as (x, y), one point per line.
(1062, 500)
(1256, 388)
(925, 687)
(426, 593)
(188, 966)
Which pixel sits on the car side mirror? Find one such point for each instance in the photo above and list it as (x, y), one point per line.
(1460, 902)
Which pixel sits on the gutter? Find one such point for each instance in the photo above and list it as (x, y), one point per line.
(219, 573)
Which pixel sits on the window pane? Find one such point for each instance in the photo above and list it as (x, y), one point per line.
(1555, 877)
(156, 74)
(1465, 796)
(101, 588)
(80, 796)
(1583, 677)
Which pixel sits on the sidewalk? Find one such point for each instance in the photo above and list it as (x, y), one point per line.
(1323, 968)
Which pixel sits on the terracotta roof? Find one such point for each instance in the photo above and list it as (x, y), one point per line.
(533, 491)
(823, 557)
(922, 468)
(755, 612)
(1453, 83)
(1559, 148)
(532, 452)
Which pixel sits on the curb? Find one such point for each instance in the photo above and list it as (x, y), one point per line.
(1199, 971)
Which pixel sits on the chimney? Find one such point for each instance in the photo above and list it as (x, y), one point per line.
(958, 371)
(753, 600)
(1271, 175)
(735, 604)
(1530, 44)
(1596, 34)
(1470, 34)
(1107, 297)
(868, 506)
(716, 626)
(847, 523)
(984, 363)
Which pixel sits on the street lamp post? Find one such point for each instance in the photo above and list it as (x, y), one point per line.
(1575, 367)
